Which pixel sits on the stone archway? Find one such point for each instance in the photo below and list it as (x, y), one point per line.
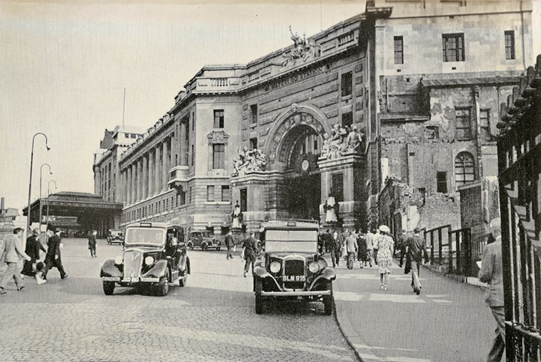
(279, 144)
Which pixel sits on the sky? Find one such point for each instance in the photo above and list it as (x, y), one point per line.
(64, 66)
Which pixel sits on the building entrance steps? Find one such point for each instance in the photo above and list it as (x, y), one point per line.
(448, 321)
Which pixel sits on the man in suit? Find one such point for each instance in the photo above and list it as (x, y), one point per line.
(12, 255)
(92, 243)
(491, 273)
(33, 247)
(229, 243)
(53, 257)
(415, 249)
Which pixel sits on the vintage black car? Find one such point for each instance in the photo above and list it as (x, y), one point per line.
(291, 266)
(204, 240)
(154, 255)
(115, 236)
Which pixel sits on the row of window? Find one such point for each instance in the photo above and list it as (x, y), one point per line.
(177, 201)
(453, 47)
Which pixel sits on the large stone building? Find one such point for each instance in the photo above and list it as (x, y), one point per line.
(420, 80)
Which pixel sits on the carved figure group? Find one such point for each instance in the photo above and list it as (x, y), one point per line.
(254, 160)
(342, 140)
(303, 49)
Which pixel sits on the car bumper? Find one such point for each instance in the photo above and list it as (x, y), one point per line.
(311, 293)
(130, 281)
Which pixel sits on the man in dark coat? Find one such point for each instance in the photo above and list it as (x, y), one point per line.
(53, 257)
(361, 247)
(416, 248)
(336, 247)
(33, 246)
(401, 245)
(249, 251)
(92, 243)
(229, 243)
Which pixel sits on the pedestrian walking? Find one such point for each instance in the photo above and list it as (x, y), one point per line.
(229, 244)
(336, 248)
(415, 249)
(361, 248)
(54, 255)
(249, 253)
(385, 247)
(92, 243)
(351, 249)
(401, 245)
(33, 247)
(11, 255)
(369, 246)
(491, 273)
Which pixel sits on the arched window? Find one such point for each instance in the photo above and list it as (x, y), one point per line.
(464, 169)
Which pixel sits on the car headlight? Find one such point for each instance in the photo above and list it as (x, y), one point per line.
(118, 259)
(149, 260)
(313, 267)
(275, 267)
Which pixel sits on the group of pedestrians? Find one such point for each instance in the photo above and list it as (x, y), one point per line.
(13, 253)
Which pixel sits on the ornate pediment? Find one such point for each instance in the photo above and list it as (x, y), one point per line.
(218, 137)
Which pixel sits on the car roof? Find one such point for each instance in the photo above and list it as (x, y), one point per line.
(290, 224)
(160, 225)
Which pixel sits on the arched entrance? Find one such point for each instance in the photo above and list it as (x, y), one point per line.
(302, 176)
(294, 146)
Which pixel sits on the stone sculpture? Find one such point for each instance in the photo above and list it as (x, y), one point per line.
(249, 161)
(342, 140)
(302, 50)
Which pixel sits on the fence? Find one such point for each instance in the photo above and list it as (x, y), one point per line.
(453, 249)
(519, 165)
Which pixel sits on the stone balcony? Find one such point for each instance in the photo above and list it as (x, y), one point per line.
(178, 178)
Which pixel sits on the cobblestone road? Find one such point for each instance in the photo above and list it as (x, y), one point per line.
(212, 319)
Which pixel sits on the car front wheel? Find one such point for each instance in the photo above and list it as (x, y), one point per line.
(163, 286)
(183, 280)
(108, 288)
(258, 298)
(328, 300)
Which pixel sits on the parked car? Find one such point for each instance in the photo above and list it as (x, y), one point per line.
(115, 236)
(154, 255)
(291, 266)
(204, 240)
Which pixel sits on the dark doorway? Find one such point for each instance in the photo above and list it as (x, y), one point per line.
(304, 196)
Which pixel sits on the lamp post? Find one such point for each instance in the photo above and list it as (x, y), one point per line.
(28, 219)
(49, 194)
(40, 179)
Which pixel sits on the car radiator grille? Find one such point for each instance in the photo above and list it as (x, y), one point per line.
(293, 268)
(133, 261)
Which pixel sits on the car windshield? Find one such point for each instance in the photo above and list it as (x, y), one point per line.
(145, 236)
(299, 241)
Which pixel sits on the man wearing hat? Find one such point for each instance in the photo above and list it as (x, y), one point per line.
(53, 257)
(33, 246)
(414, 258)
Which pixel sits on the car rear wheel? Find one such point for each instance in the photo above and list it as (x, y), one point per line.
(328, 300)
(163, 286)
(108, 288)
(258, 298)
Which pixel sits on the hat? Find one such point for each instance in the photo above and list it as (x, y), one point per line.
(416, 230)
(51, 228)
(35, 231)
(384, 229)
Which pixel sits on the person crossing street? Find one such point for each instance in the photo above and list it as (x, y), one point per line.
(415, 249)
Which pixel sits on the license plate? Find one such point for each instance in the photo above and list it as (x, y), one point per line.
(294, 278)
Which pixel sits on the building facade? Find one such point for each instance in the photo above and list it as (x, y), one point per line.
(404, 89)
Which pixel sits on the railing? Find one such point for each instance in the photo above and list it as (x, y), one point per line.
(519, 164)
(219, 82)
(451, 249)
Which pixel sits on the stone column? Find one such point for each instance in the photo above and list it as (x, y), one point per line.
(144, 183)
(183, 145)
(128, 185)
(133, 182)
(97, 180)
(151, 172)
(165, 163)
(158, 176)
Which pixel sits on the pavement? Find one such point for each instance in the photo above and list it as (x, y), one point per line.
(211, 319)
(448, 321)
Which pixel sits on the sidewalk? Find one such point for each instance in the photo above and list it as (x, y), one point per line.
(449, 321)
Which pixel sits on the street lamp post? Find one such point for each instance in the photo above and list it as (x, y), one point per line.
(28, 219)
(40, 180)
(49, 194)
